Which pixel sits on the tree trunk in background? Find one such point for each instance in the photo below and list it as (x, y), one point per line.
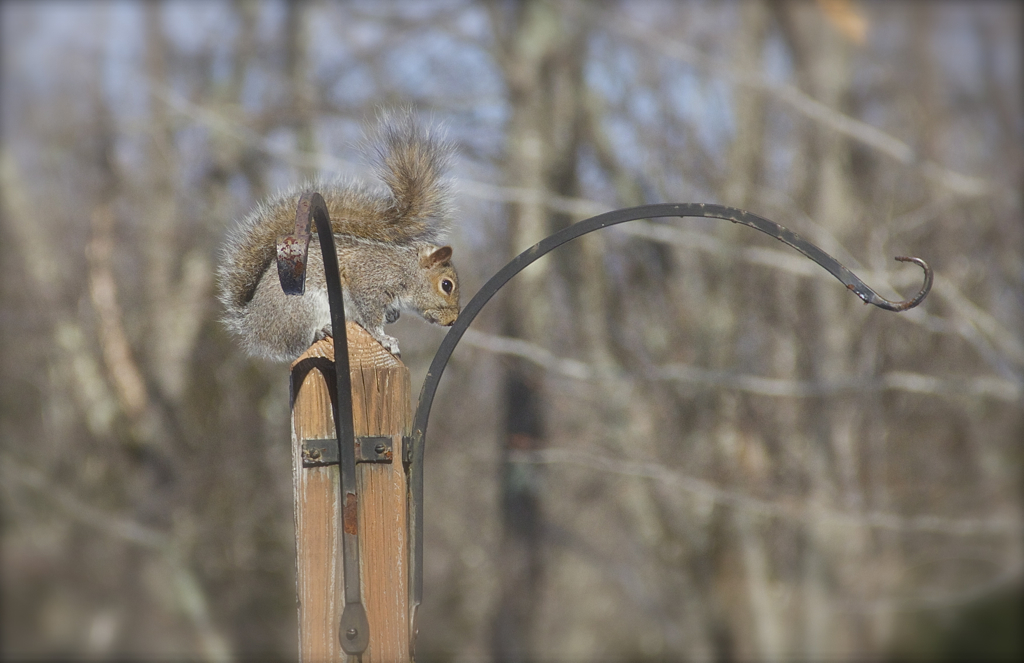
(301, 95)
(750, 614)
(542, 71)
(834, 426)
(179, 277)
(520, 566)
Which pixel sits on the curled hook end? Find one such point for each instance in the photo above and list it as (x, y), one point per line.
(919, 297)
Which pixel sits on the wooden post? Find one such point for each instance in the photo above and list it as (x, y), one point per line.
(380, 407)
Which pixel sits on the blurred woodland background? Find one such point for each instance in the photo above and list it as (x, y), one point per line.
(671, 440)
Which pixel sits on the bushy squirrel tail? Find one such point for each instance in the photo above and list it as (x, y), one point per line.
(413, 208)
(412, 160)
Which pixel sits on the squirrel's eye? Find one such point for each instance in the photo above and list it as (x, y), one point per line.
(447, 286)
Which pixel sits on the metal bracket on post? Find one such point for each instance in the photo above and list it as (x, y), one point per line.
(369, 449)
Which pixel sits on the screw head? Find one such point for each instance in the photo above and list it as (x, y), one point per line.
(380, 448)
(314, 454)
(351, 634)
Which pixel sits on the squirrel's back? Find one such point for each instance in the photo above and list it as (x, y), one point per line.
(413, 207)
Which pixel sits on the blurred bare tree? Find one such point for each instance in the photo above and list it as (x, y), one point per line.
(672, 440)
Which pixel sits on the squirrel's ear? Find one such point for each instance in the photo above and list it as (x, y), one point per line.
(432, 255)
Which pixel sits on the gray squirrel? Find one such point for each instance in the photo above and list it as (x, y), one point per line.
(389, 250)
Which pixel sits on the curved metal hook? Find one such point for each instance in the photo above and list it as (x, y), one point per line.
(906, 304)
(524, 259)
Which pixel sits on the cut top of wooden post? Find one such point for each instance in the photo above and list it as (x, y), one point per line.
(377, 379)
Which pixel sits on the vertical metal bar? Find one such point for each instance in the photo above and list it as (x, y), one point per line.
(354, 630)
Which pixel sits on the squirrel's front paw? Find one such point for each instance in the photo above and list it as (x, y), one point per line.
(390, 344)
(322, 333)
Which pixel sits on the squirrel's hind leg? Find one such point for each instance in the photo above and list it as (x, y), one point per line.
(323, 332)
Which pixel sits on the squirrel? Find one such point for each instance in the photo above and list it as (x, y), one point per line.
(388, 242)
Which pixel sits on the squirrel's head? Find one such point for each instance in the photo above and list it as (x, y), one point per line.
(442, 304)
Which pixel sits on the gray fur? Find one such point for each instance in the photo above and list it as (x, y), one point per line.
(382, 234)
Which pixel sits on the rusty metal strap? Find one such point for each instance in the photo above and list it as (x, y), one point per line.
(321, 452)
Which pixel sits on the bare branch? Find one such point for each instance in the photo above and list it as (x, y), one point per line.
(978, 387)
(16, 473)
(117, 354)
(235, 129)
(1006, 526)
(532, 352)
(188, 591)
(964, 185)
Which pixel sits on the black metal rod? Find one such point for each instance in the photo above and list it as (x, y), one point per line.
(354, 630)
(524, 259)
